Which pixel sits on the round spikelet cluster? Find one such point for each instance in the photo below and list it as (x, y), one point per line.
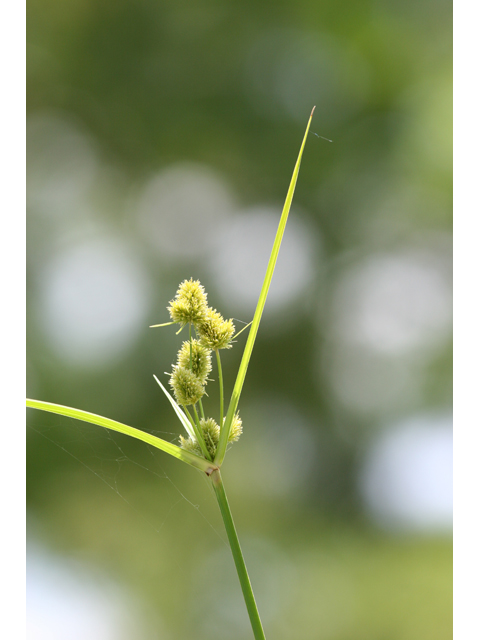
(236, 429)
(189, 304)
(187, 388)
(215, 332)
(211, 436)
(197, 358)
(190, 445)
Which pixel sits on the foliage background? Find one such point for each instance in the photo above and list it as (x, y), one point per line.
(161, 138)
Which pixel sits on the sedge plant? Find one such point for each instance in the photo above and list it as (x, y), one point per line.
(205, 442)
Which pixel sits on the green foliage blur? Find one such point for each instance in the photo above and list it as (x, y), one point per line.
(161, 138)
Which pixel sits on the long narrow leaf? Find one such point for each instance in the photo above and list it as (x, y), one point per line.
(181, 416)
(224, 433)
(168, 447)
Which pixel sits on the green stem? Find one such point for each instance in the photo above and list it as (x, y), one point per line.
(198, 431)
(190, 339)
(220, 381)
(197, 420)
(189, 416)
(237, 556)
(201, 408)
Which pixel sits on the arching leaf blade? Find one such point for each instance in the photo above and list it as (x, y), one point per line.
(92, 418)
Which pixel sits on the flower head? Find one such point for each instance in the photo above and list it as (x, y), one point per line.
(236, 429)
(191, 445)
(211, 436)
(187, 388)
(189, 304)
(215, 332)
(195, 357)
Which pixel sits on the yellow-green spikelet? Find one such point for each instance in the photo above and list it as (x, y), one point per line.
(198, 356)
(189, 304)
(211, 435)
(187, 388)
(215, 332)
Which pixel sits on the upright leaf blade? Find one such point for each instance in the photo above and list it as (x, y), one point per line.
(93, 418)
(225, 431)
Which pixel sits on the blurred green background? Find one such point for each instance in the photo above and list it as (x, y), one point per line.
(161, 138)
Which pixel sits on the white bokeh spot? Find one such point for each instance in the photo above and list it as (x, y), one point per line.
(94, 300)
(67, 601)
(406, 479)
(243, 248)
(393, 303)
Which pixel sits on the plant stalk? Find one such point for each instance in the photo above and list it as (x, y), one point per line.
(201, 408)
(220, 382)
(190, 340)
(198, 432)
(237, 556)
